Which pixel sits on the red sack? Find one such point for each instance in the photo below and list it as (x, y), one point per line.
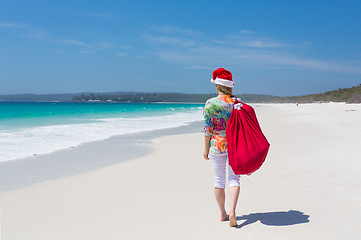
(247, 146)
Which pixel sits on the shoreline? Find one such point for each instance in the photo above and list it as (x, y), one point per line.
(39, 168)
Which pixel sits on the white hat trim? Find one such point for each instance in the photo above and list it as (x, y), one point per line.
(223, 82)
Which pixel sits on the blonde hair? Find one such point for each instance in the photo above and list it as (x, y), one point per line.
(225, 90)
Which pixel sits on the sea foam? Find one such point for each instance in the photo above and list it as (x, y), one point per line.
(29, 141)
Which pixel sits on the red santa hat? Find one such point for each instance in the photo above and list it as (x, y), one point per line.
(222, 77)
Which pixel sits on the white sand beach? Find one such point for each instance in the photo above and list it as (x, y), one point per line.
(308, 188)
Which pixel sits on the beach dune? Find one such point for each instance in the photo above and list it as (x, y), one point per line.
(308, 187)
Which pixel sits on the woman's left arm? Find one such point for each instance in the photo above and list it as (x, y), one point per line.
(208, 128)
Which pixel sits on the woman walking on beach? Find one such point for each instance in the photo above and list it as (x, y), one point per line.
(216, 114)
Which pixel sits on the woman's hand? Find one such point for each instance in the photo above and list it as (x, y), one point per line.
(205, 154)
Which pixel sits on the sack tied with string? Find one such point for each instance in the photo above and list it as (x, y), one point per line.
(247, 145)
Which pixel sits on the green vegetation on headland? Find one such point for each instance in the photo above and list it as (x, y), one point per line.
(143, 97)
(349, 95)
(163, 97)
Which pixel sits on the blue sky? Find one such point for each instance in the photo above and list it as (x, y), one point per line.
(271, 47)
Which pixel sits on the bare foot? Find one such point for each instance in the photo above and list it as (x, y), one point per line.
(224, 217)
(232, 221)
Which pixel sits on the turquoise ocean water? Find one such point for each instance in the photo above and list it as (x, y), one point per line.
(28, 128)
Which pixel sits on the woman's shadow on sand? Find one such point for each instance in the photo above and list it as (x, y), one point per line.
(291, 217)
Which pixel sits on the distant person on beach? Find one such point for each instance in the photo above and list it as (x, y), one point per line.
(216, 114)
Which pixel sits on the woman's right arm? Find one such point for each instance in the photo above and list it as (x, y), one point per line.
(207, 140)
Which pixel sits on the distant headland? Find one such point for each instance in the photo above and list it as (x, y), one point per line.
(348, 95)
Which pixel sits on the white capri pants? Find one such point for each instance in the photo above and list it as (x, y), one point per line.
(219, 163)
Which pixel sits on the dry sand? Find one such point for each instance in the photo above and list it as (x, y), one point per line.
(308, 188)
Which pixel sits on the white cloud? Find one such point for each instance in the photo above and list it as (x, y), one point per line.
(72, 42)
(262, 44)
(120, 55)
(87, 51)
(254, 52)
(41, 36)
(35, 35)
(12, 25)
(253, 42)
(180, 42)
(246, 32)
(30, 32)
(105, 45)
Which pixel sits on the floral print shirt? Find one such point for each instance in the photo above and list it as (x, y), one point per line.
(216, 114)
